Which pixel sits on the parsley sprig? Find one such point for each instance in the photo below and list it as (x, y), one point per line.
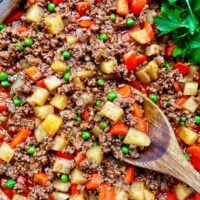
(181, 19)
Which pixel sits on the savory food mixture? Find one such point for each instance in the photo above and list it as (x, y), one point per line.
(68, 110)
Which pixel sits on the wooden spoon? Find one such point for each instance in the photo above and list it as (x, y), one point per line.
(164, 155)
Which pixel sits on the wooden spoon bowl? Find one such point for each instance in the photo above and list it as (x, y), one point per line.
(164, 155)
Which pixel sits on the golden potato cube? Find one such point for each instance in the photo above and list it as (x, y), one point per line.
(143, 76)
(153, 49)
(18, 197)
(39, 96)
(59, 101)
(137, 137)
(108, 66)
(51, 124)
(54, 23)
(187, 136)
(62, 165)
(34, 14)
(95, 154)
(77, 197)
(96, 130)
(152, 70)
(37, 122)
(137, 190)
(59, 66)
(120, 194)
(140, 36)
(85, 73)
(40, 135)
(78, 83)
(191, 88)
(52, 83)
(191, 105)
(148, 195)
(60, 186)
(71, 39)
(112, 111)
(182, 192)
(59, 143)
(42, 112)
(60, 196)
(6, 152)
(77, 177)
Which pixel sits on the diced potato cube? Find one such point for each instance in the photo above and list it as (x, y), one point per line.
(18, 197)
(153, 49)
(140, 36)
(6, 152)
(51, 124)
(143, 76)
(137, 190)
(77, 197)
(59, 66)
(85, 74)
(148, 195)
(87, 98)
(54, 23)
(77, 177)
(152, 70)
(137, 137)
(43, 111)
(112, 111)
(40, 135)
(59, 143)
(182, 192)
(52, 83)
(60, 186)
(120, 194)
(59, 101)
(187, 136)
(108, 66)
(97, 131)
(34, 14)
(191, 105)
(62, 165)
(37, 122)
(39, 96)
(95, 154)
(78, 83)
(191, 88)
(71, 39)
(60, 196)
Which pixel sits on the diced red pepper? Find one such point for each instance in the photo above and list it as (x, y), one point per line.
(169, 50)
(64, 155)
(171, 196)
(119, 129)
(58, 1)
(1, 138)
(182, 67)
(3, 107)
(141, 59)
(15, 15)
(86, 23)
(94, 182)
(74, 190)
(139, 86)
(194, 150)
(79, 158)
(51, 197)
(197, 196)
(130, 60)
(9, 193)
(149, 29)
(195, 162)
(85, 114)
(82, 7)
(137, 6)
(130, 175)
(41, 84)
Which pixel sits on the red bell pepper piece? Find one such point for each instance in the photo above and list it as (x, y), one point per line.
(51, 197)
(195, 162)
(194, 150)
(137, 6)
(171, 196)
(182, 67)
(64, 155)
(139, 86)
(130, 175)
(197, 196)
(58, 1)
(130, 60)
(141, 59)
(82, 7)
(79, 158)
(119, 129)
(85, 114)
(9, 193)
(41, 84)
(169, 50)
(15, 15)
(3, 107)
(106, 192)
(86, 23)
(94, 182)
(74, 190)
(149, 29)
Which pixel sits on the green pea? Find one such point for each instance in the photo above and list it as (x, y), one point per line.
(125, 149)
(31, 150)
(103, 37)
(11, 183)
(3, 76)
(28, 42)
(64, 178)
(51, 7)
(197, 119)
(78, 119)
(3, 27)
(12, 94)
(177, 52)
(182, 123)
(168, 103)
(100, 81)
(86, 135)
(112, 17)
(168, 65)
(5, 84)
(66, 55)
(67, 76)
(153, 97)
(183, 119)
(103, 125)
(68, 69)
(17, 101)
(130, 22)
(20, 46)
(112, 96)
(98, 103)
(186, 156)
